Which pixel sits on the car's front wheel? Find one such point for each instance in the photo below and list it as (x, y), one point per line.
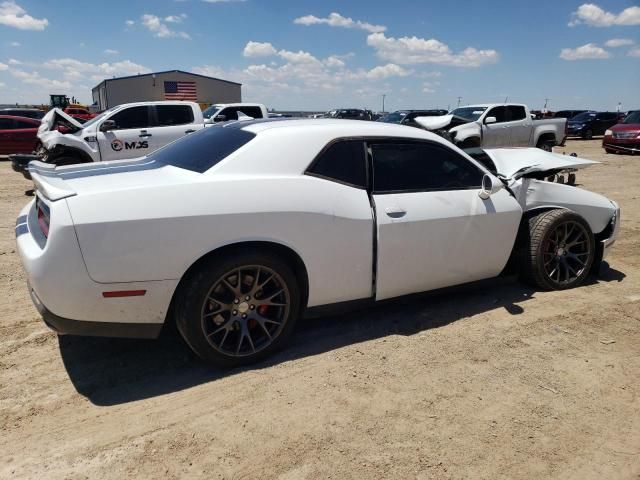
(559, 250)
(238, 309)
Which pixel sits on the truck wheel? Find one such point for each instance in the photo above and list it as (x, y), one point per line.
(588, 135)
(239, 309)
(546, 145)
(571, 179)
(66, 160)
(559, 250)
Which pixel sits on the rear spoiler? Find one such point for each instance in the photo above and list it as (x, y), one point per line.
(48, 182)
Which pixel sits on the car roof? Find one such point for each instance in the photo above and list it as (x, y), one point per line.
(336, 127)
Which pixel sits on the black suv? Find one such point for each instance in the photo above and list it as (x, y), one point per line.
(567, 113)
(588, 124)
(407, 117)
(350, 113)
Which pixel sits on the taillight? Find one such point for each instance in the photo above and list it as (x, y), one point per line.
(44, 217)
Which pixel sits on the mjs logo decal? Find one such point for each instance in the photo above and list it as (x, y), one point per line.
(118, 145)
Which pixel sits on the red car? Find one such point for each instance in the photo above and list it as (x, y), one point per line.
(624, 137)
(18, 134)
(81, 114)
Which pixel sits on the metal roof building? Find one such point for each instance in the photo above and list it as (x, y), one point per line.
(167, 85)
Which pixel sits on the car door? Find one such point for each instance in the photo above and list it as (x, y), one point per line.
(433, 229)
(171, 122)
(24, 135)
(131, 136)
(496, 134)
(520, 126)
(6, 136)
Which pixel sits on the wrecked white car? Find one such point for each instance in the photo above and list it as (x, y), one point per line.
(496, 126)
(243, 227)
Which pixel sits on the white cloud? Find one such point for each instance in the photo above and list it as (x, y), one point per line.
(336, 20)
(428, 87)
(45, 83)
(618, 42)
(156, 25)
(3, 66)
(13, 61)
(414, 50)
(594, 16)
(334, 61)
(13, 15)
(110, 51)
(298, 57)
(15, 44)
(76, 70)
(589, 51)
(258, 49)
(2, 85)
(129, 23)
(175, 18)
(386, 71)
(634, 52)
(223, 1)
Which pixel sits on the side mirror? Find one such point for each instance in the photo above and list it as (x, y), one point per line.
(490, 185)
(220, 118)
(108, 125)
(489, 120)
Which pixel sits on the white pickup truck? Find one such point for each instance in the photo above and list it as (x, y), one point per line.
(126, 131)
(497, 125)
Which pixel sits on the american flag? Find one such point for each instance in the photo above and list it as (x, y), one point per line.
(180, 91)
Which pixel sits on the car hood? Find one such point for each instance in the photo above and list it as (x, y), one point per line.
(55, 116)
(518, 162)
(441, 122)
(626, 127)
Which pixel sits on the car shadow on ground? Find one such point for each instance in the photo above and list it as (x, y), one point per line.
(111, 371)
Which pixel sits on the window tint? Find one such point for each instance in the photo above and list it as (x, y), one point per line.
(134, 117)
(230, 113)
(253, 112)
(174, 115)
(203, 149)
(343, 161)
(23, 124)
(499, 112)
(421, 166)
(6, 124)
(516, 113)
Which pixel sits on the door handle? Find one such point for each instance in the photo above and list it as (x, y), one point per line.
(395, 212)
(144, 134)
(189, 131)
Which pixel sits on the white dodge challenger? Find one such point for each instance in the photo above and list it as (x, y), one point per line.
(237, 230)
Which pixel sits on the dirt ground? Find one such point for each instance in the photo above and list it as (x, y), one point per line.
(494, 380)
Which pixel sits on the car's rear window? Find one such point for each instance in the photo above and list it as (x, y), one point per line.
(201, 150)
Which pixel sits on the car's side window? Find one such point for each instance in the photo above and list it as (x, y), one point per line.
(133, 117)
(499, 112)
(169, 115)
(516, 112)
(343, 161)
(23, 124)
(230, 113)
(421, 166)
(253, 112)
(6, 124)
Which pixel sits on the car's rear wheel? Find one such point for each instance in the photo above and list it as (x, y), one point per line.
(559, 250)
(238, 310)
(546, 145)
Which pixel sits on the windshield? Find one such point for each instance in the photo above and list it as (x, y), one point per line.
(633, 117)
(211, 111)
(97, 119)
(394, 117)
(469, 113)
(203, 149)
(583, 117)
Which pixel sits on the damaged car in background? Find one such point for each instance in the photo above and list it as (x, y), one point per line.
(496, 125)
(236, 231)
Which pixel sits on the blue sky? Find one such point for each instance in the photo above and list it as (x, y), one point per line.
(296, 54)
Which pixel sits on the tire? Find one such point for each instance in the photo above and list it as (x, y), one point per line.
(238, 327)
(551, 260)
(469, 143)
(66, 160)
(571, 179)
(546, 145)
(588, 135)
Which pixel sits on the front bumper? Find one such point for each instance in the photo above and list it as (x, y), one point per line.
(607, 243)
(629, 145)
(20, 164)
